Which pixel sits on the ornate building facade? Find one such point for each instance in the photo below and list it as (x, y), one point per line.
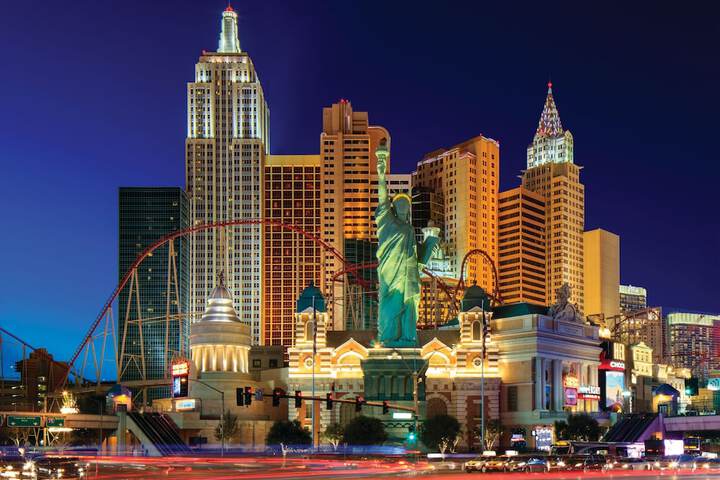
(447, 364)
(552, 173)
(227, 141)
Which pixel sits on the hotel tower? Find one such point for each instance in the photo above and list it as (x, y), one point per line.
(552, 174)
(225, 149)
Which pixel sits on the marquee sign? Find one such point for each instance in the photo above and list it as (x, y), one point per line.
(588, 392)
(180, 368)
(571, 397)
(180, 373)
(615, 365)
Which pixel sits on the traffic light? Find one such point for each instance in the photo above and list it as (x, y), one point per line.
(328, 401)
(248, 396)
(298, 399)
(277, 393)
(239, 397)
(359, 401)
(386, 407)
(411, 433)
(692, 386)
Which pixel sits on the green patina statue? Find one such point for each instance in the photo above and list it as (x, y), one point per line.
(398, 263)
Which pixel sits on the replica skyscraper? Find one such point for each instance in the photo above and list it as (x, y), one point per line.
(227, 140)
(552, 174)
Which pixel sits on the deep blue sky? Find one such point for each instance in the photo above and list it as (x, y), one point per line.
(93, 97)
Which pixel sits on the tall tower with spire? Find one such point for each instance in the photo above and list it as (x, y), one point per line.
(227, 141)
(552, 173)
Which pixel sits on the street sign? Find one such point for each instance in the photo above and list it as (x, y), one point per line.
(55, 422)
(18, 421)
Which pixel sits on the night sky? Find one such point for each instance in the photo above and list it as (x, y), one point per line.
(93, 96)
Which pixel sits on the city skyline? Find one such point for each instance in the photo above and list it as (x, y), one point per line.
(96, 260)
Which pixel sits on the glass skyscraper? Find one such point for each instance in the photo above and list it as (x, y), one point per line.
(146, 214)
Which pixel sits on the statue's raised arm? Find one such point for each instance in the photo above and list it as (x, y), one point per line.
(398, 270)
(382, 154)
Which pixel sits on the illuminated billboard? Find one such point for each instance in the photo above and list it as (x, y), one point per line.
(180, 372)
(614, 387)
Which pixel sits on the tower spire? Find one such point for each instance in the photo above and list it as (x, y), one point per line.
(229, 41)
(549, 125)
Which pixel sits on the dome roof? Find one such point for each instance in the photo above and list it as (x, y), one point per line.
(305, 300)
(220, 305)
(221, 292)
(475, 297)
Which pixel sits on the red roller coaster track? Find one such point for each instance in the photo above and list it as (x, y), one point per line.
(180, 233)
(268, 223)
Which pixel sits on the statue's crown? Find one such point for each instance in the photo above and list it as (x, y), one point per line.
(399, 196)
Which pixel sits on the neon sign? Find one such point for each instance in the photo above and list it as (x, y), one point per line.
(181, 368)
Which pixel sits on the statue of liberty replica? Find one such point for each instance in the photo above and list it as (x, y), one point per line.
(398, 263)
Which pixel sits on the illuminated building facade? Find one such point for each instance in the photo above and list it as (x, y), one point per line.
(646, 326)
(602, 273)
(349, 192)
(347, 364)
(552, 174)
(221, 360)
(146, 214)
(548, 366)
(521, 247)
(693, 341)
(465, 177)
(428, 205)
(226, 145)
(290, 261)
(632, 298)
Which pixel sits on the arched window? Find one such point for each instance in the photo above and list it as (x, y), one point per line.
(309, 331)
(436, 406)
(476, 331)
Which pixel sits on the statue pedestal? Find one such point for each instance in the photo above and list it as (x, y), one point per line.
(389, 375)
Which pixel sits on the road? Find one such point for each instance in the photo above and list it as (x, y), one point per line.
(251, 468)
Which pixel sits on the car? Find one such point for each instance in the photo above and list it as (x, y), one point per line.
(678, 462)
(626, 463)
(524, 463)
(556, 463)
(583, 463)
(474, 464)
(487, 464)
(596, 462)
(15, 466)
(60, 467)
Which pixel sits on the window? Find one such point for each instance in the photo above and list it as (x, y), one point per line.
(273, 363)
(309, 330)
(476, 331)
(512, 398)
(257, 363)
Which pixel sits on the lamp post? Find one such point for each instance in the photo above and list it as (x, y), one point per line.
(222, 413)
(314, 420)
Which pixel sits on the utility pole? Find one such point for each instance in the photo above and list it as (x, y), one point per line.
(314, 410)
(415, 399)
(482, 381)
